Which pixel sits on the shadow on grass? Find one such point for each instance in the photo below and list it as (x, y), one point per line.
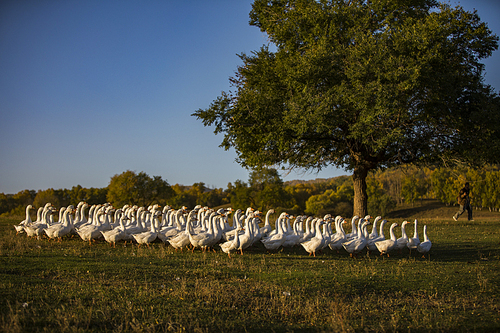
(417, 209)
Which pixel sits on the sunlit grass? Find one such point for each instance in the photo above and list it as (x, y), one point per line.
(71, 286)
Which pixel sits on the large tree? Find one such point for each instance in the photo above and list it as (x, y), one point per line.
(137, 189)
(361, 85)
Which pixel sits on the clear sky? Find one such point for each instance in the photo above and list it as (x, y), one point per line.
(90, 89)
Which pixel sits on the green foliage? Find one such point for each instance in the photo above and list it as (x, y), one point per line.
(299, 194)
(330, 201)
(13, 204)
(46, 196)
(239, 194)
(492, 189)
(414, 187)
(92, 196)
(379, 202)
(446, 184)
(267, 189)
(361, 85)
(197, 194)
(137, 189)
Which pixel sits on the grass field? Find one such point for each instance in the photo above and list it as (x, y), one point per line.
(73, 287)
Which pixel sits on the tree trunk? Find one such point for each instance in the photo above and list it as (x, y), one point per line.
(360, 196)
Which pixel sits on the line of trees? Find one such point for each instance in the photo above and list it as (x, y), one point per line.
(265, 189)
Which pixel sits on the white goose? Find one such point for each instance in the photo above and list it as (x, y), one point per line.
(59, 230)
(293, 238)
(165, 217)
(374, 233)
(133, 226)
(201, 239)
(115, 222)
(170, 231)
(414, 241)
(20, 227)
(218, 223)
(237, 227)
(266, 229)
(224, 221)
(149, 236)
(246, 239)
(117, 234)
(380, 237)
(299, 228)
(181, 240)
(61, 213)
(387, 245)
(231, 245)
(257, 236)
(275, 241)
(37, 228)
(339, 237)
(315, 243)
(77, 217)
(89, 232)
(426, 245)
(39, 214)
(401, 242)
(354, 231)
(327, 232)
(353, 247)
(309, 232)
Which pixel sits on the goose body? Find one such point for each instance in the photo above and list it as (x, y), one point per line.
(309, 232)
(403, 240)
(36, 229)
(231, 245)
(149, 236)
(380, 237)
(387, 245)
(219, 223)
(266, 229)
(20, 227)
(354, 231)
(202, 238)
(426, 245)
(170, 231)
(275, 241)
(339, 237)
(180, 241)
(315, 243)
(293, 238)
(353, 247)
(246, 238)
(414, 241)
(374, 234)
(58, 230)
(91, 231)
(115, 235)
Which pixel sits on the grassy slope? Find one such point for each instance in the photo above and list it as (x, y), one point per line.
(433, 209)
(71, 286)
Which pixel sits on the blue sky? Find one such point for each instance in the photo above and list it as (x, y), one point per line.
(89, 89)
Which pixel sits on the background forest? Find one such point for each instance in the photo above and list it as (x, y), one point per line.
(265, 189)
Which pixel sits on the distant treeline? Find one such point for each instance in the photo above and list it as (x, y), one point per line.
(265, 189)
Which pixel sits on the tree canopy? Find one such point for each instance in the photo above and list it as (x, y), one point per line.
(361, 85)
(138, 189)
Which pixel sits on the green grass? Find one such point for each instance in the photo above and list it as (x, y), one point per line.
(73, 287)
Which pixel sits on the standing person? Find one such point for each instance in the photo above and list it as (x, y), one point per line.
(464, 202)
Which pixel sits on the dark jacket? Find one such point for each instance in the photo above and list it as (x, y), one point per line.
(463, 196)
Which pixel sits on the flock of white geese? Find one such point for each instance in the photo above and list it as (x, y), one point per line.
(204, 228)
